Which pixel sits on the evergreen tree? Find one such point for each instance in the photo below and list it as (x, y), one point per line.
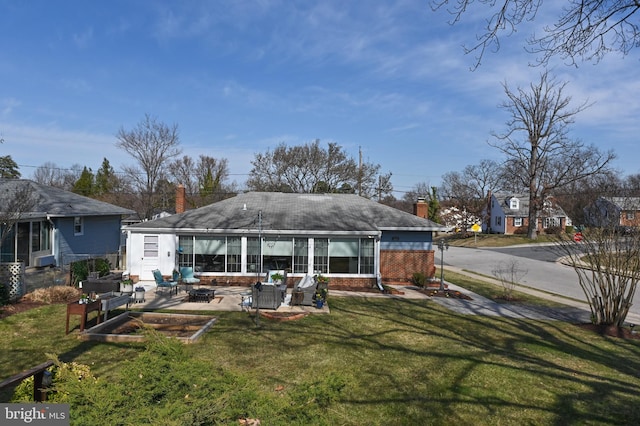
(434, 205)
(106, 179)
(85, 184)
(8, 168)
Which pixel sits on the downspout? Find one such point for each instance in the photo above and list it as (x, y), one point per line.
(54, 241)
(376, 250)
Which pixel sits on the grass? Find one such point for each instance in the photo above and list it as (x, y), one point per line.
(493, 240)
(403, 362)
(496, 292)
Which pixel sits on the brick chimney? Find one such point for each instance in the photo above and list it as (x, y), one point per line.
(421, 208)
(180, 198)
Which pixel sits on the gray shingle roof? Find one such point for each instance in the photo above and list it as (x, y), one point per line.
(624, 203)
(55, 202)
(330, 213)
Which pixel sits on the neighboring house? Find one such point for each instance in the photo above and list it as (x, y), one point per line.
(57, 227)
(508, 213)
(351, 239)
(614, 211)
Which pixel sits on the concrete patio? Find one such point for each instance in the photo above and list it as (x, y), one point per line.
(227, 298)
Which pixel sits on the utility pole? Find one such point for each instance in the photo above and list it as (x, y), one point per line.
(360, 171)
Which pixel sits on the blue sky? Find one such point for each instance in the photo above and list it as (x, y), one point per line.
(240, 77)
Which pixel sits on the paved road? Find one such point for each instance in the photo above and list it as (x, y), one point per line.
(538, 262)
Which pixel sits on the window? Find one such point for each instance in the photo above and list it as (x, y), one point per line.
(185, 251)
(498, 220)
(150, 246)
(277, 253)
(78, 226)
(343, 256)
(253, 254)
(630, 215)
(234, 254)
(551, 222)
(517, 221)
(209, 254)
(514, 203)
(300, 255)
(367, 255)
(321, 255)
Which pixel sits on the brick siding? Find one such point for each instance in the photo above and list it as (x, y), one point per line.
(400, 265)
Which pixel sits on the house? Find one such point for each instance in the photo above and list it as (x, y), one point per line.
(508, 213)
(55, 227)
(621, 212)
(352, 240)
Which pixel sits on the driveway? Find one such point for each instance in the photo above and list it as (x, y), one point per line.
(537, 263)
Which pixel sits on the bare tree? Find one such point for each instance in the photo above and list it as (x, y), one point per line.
(575, 196)
(509, 274)
(536, 143)
(608, 267)
(204, 181)
(310, 168)
(468, 190)
(51, 174)
(585, 30)
(18, 199)
(152, 144)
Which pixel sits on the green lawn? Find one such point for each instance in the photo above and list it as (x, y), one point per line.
(400, 362)
(493, 240)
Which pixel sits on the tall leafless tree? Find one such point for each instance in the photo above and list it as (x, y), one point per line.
(204, 180)
(310, 168)
(51, 174)
(537, 146)
(468, 190)
(152, 144)
(585, 29)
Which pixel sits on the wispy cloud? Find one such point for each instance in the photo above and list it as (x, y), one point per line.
(83, 40)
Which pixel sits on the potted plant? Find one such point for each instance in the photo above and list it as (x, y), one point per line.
(126, 286)
(277, 278)
(321, 297)
(139, 294)
(323, 282)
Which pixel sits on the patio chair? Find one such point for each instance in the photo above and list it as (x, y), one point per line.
(188, 278)
(266, 296)
(306, 286)
(164, 286)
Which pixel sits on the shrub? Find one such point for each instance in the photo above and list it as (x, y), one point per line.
(520, 231)
(553, 230)
(55, 294)
(4, 294)
(418, 279)
(79, 271)
(101, 266)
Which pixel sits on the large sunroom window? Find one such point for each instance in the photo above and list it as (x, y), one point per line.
(277, 253)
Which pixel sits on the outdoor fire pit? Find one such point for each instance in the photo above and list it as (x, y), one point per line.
(201, 295)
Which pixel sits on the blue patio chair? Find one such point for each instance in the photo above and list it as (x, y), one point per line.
(187, 277)
(164, 286)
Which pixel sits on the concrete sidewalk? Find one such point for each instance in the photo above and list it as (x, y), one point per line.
(575, 310)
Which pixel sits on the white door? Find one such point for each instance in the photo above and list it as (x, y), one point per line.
(150, 257)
